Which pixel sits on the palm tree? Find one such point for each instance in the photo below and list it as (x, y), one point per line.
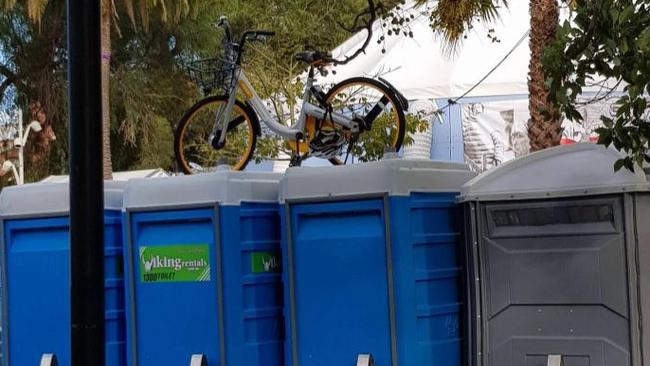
(107, 15)
(454, 17)
(35, 10)
(544, 130)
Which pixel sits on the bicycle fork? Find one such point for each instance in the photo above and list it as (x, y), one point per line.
(220, 122)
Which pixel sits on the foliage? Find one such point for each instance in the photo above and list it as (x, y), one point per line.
(33, 68)
(146, 84)
(144, 106)
(168, 9)
(33, 8)
(150, 90)
(372, 144)
(608, 39)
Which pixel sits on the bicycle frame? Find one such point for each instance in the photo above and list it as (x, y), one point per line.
(297, 130)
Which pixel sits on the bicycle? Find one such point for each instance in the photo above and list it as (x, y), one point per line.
(358, 113)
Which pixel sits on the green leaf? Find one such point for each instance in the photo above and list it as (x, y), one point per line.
(608, 122)
(627, 13)
(624, 46)
(619, 164)
(640, 104)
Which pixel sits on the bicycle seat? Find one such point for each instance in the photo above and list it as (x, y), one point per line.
(313, 57)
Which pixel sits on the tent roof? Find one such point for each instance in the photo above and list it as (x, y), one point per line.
(421, 68)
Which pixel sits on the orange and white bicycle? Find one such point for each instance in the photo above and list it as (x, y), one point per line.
(359, 117)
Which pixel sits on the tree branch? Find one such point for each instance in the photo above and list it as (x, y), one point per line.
(371, 12)
(355, 25)
(4, 86)
(365, 21)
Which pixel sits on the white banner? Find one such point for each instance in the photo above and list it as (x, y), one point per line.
(495, 132)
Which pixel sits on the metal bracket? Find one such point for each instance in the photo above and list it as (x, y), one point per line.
(365, 360)
(48, 359)
(555, 360)
(199, 360)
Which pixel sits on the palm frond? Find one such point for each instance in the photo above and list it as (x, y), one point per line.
(163, 9)
(33, 8)
(144, 14)
(453, 18)
(168, 10)
(7, 4)
(130, 11)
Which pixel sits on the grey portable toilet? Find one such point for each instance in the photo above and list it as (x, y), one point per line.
(559, 261)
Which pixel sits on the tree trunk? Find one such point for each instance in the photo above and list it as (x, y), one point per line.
(106, 71)
(543, 131)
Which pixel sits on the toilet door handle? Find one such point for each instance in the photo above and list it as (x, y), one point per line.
(199, 360)
(555, 360)
(365, 360)
(48, 359)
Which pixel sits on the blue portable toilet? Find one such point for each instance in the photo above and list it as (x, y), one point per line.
(372, 263)
(36, 273)
(203, 270)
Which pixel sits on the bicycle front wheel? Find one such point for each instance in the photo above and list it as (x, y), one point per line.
(195, 152)
(378, 111)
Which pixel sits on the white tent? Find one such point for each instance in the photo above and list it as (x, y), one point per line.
(481, 70)
(421, 68)
(424, 71)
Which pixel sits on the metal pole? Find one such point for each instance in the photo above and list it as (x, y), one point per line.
(86, 183)
(21, 150)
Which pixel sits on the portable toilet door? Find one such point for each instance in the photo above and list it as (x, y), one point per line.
(553, 260)
(371, 263)
(36, 274)
(203, 270)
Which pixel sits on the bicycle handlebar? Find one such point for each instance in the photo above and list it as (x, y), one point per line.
(259, 35)
(249, 35)
(265, 33)
(253, 36)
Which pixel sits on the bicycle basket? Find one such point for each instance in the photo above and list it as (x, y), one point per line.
(212, 73)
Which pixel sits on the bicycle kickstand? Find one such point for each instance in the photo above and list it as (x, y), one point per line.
(353, 141)
(296, 158)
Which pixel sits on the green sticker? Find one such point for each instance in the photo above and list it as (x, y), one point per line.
(263, 262)
(175, 263)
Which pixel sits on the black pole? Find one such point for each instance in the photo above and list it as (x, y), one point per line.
(86, 183)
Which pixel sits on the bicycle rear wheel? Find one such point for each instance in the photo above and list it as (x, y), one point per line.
(193, 148)
(379, 112)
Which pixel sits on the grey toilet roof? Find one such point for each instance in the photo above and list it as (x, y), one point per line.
(563, 171)
(222, 187)
(50, 199)
(395, 177)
